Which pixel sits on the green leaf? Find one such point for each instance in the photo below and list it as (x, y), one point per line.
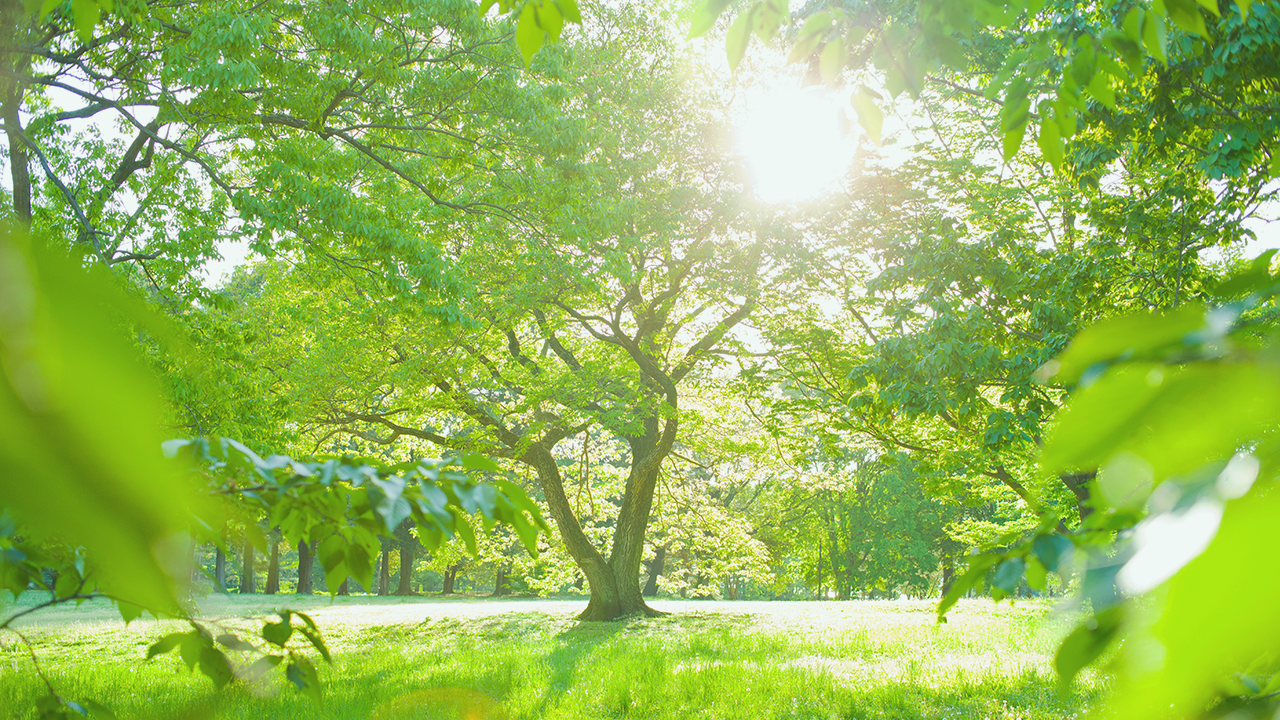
(278, 633)
(165, 644)
(1211, 6)
(1219, 613)
(1008, 574)
(81, 425)
(128, 611)
(1256, 278)
(529, 34)
(833, 59)
(1036, 574)
(978, 567)
(1155, 36)
(312, 635)
(87, 13)
(739, 38)
(1100, 88)
(1051, 549)
(704, 17)
(1138, 335)
(1186, 15)
(569, 10)
(1243, 6)
(1086, 643)
(233, 642)
(1050, 140)
(261, 667)
(870, 117)
(1012, 141)
(1176, 419)
(190, 648)
(472, 461)
(304, 677)
(215, 666)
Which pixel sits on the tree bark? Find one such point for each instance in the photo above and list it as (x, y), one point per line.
(655, 571)
(19, 165)
(406, 569)
(1078, 484)
(273, 570)
(305, 560)
(384, 573)
(220, 570)
(500, 582)
(450, 575)
(605, 603)
(342, 589)
(246, 569)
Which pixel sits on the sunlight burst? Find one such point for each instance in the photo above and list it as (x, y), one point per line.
(795, 144)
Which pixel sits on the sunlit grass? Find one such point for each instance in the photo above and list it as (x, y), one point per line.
(721, 660)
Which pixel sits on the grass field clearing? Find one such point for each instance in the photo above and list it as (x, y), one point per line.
(425, 658)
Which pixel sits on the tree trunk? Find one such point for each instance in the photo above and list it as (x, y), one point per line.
(948, 574)
(605, 603)
(273, 570)
(406, 569)
(305, 560)
(1078, 484)
(246, 570)
(614, 583)
(342, 589)
(19, 165)
(450, 575)
(384, 574)
(500, 582)
(220, 569)
(655, 571)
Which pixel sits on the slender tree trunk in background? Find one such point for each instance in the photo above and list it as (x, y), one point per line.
(384, 574)
(948, 574)
(655, 571)
(450, 574)
(342, 589)
(19, 165)
(273, 570)
(819, 568)
(246, 569)
(406, 569)
(220, 569)
(305, 559)
(500, 582)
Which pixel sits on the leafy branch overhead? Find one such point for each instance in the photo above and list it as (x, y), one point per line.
(1053, 65)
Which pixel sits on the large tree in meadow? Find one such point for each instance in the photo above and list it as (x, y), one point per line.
(641, 267)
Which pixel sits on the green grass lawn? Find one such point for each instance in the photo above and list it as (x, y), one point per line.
(426, 658)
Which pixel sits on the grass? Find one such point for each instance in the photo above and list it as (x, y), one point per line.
(422, 658)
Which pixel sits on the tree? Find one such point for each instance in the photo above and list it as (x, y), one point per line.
(556, 341)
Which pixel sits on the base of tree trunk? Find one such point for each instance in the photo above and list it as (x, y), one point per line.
(599, 611)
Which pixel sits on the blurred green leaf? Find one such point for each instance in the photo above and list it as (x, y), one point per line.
(1174, 418)
(80, 420)
(1139, 335)
(1088, 641)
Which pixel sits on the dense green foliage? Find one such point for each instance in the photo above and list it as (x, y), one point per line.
(980, 364)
